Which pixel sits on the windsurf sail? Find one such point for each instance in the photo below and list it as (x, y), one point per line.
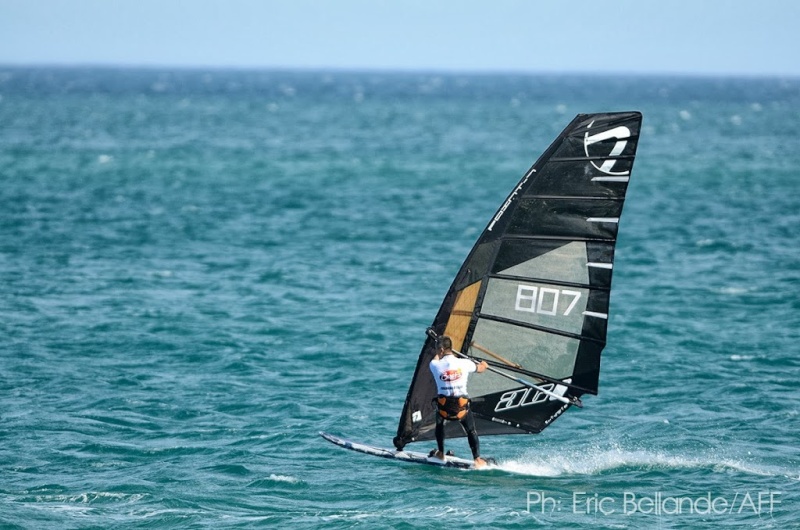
(532, 297)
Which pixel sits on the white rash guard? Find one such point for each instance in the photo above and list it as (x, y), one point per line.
(450, 374)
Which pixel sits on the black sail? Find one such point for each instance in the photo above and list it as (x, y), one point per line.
(532, 297)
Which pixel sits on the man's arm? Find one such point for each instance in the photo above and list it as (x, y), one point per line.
(481, 367)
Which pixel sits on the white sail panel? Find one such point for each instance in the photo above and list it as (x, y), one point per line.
(567, 263)
(528, 348)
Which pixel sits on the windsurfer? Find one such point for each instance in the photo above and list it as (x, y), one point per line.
(451, 374)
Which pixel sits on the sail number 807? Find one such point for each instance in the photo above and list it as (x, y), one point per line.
(544, 300)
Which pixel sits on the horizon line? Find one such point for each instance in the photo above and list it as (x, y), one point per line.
(88, 65)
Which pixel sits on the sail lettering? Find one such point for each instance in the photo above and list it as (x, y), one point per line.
(525, 397)
(510, 199)
(544, 300)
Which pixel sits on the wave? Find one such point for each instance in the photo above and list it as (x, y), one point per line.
(91, 497)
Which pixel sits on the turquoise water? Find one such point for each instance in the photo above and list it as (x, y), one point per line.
(201, 270)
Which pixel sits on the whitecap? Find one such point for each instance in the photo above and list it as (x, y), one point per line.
(284, 478)
(733, 290)
(91, 497)
(351, 514)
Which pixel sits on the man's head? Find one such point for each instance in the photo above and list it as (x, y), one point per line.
(445, 344)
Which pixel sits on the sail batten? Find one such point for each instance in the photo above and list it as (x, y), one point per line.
(589, 158)
(573, 198)
(532, 296)
(559, 238)
(552, 282)
(610, 179)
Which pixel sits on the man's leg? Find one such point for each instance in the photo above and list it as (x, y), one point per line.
(440, 436)
(468, 423)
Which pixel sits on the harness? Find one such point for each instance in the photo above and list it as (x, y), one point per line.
(452, 407)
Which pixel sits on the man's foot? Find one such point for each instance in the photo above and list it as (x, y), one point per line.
(480, 462)
(437, 454)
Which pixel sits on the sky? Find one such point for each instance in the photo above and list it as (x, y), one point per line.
(691, 37)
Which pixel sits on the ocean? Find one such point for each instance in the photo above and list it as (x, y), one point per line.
(201, 270)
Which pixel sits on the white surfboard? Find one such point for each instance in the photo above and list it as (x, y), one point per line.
(403, 456)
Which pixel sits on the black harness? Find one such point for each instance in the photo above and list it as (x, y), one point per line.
(452, 407)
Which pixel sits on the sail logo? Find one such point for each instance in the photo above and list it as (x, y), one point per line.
(525, 397)
(544, 300)
(451, 375)
(621, 135)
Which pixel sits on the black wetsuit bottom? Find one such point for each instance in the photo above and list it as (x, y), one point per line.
(468, 424)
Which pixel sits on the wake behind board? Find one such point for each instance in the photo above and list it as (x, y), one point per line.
(402, 456)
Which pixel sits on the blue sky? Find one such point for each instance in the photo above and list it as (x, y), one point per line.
(706, 37)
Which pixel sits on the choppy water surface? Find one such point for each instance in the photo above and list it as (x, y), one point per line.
(201, 270)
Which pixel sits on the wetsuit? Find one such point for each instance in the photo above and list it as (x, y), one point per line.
(451, 374)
